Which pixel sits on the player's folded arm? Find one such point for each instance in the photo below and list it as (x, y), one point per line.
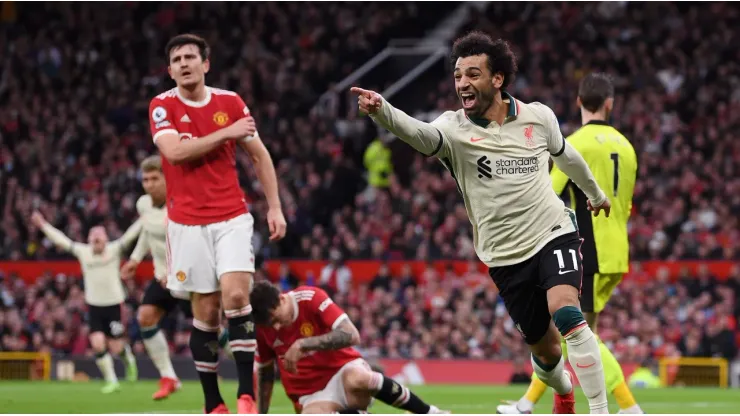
(344, 334)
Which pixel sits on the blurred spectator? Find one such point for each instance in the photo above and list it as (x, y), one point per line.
(336, 277)
(286, 279)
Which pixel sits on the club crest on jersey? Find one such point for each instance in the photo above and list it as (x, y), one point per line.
(221, 118)
(306, 329)
(529, 140)
(181, 276)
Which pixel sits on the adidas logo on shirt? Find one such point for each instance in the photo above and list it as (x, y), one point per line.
(277, 343)
(185, 119)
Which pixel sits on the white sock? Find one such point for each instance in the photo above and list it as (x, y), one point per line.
(585, 358)
(105, 364)
(634, 410)
(159, 352)
(524, 405)
(557, 379)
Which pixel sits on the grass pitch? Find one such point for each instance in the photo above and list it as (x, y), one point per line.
(68, 397)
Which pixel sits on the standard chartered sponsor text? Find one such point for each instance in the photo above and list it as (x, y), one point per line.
(519, 166)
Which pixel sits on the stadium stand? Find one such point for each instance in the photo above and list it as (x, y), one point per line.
(73, 103)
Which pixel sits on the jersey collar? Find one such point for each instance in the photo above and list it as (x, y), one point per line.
(513, 111)
(597, 122)
(192, 103)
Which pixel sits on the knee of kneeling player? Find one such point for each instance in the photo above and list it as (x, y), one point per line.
(357, 379)
(568, 319)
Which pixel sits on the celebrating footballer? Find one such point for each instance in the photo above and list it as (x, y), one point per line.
(497, 148)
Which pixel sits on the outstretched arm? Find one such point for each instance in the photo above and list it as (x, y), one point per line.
(423, 137)
(57, 237)
(265, 383)
(130, 235)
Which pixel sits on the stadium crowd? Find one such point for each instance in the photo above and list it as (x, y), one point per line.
(75, 83)
(433, 315)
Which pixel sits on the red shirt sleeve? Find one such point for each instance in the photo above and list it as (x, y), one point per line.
(326, 310)
(265, 353)
(242, 111)
(160, 119)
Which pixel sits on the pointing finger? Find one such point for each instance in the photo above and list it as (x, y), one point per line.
(360, 91)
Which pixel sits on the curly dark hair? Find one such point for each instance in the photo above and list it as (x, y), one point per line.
(188, 39)
(265, 297)
(594, 90)
(500, 56)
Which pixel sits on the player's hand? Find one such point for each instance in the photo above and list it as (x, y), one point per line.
(291, 357)
(606, 207)
(276, 222)
(129, 269)
(37, 219)
(368, 101)
(241, 128)
(163, 282)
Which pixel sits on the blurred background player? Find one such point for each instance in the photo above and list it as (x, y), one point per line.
(497, 149)
(209, 230)
(612, 159)
(312, 338)
(104, 293)
(157, 301)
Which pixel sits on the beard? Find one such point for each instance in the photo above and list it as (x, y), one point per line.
(479, 104)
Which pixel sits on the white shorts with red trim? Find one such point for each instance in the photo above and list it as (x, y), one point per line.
(198, 255)
(334, 390)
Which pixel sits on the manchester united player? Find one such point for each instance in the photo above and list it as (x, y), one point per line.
(312, 338)
(197, 129)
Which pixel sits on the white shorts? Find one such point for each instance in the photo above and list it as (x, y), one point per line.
(198, 255)
(334, 390)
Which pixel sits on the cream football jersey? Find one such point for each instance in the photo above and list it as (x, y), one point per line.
(153, 235)
(100, 272)
(501, 172)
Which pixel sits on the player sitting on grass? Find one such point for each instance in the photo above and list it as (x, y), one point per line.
(312, 338)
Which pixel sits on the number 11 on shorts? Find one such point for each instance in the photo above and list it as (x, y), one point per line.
(561, 262)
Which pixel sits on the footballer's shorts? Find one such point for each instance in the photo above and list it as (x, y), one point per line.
(199, 255)
(524, 286)
(597, 290)
(164, 299)
(106, 319)
(334, 391)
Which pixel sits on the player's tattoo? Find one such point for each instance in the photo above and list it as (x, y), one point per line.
(265, 382)
(345, 335)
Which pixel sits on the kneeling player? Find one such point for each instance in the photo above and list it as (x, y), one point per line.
(321, 372)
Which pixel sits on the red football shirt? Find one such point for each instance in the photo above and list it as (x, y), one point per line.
(315, 314)
(206, 190)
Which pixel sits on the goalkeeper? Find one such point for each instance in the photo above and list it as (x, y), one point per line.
(605, 249)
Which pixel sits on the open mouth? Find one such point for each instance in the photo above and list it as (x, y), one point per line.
(186, 73)
(468, 99)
